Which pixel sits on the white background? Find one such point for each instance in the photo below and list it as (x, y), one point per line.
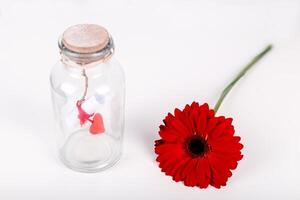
(173, 53)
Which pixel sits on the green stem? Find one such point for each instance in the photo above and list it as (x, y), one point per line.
(240, 75)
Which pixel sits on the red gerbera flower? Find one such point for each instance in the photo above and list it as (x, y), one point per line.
(197, 147)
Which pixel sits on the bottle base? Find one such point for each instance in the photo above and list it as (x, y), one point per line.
(85, 152)
(99, 168)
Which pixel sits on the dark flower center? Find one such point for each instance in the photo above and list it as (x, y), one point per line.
(197, 146)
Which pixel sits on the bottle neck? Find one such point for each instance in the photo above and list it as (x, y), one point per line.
(92, 70)
(86, 60)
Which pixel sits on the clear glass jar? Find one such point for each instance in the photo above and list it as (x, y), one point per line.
(88, 88)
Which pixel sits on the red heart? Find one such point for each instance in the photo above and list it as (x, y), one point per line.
(97, 124)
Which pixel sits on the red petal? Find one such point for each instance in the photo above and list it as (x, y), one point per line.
(169, 136)
(211, 124)
(167, 147)
(202, 170)
(193, 118)
(220, 170)
(204, 107)
(168, 165)
(190, 179)
(227, 140)
(184, 119)
(211, 114)
(178, 165)
(218, 130)
(184, 169)
(178, 174)
(202, 123)
(177, 125)
(168, 120)
(228, 121)
(194, 105)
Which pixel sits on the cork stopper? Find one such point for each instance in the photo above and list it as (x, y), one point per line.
(85, 38)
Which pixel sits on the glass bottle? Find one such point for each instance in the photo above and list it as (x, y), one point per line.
(88, 87)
